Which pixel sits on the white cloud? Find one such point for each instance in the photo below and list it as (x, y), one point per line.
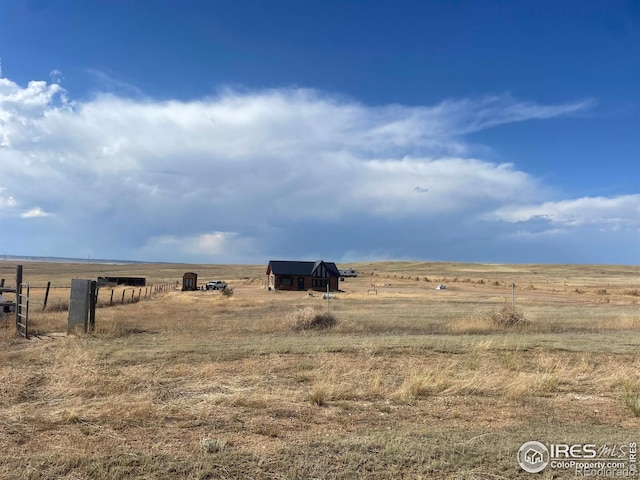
(609, 212)
(22, 101)
(34, 213)
(207, 247)
(56, 76)
(22, 109)
(6, 200)
(472, 115)
(111, 83)
(244, 175)
(201, 244)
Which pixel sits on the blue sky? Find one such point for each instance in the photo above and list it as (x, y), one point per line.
(243, 131)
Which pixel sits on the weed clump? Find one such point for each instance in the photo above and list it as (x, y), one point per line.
(227, 292)
(308, 319)
(507, 316)
(631, 398)
(632, 401)
(320, 395)
(213, 445)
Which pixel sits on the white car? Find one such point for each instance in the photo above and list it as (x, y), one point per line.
(216, 285)
(441, 287)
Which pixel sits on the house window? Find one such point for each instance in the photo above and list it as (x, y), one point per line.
(286, 281)
(320, 282)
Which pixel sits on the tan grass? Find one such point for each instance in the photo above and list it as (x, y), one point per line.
(413, 382)
(214, 445)
(321, 394)
(309, 318)
(424, 381)
(631, 396)
(474, 324)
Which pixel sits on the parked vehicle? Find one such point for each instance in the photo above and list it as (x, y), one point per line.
(348, 272)
(441, 287)
(216, 285)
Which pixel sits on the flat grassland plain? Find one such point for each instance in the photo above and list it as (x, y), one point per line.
(412, 382)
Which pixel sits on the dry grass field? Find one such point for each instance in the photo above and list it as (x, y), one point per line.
(412, 382)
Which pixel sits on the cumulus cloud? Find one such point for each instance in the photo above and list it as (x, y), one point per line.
(250, 175)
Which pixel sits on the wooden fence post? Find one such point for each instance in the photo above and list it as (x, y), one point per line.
(46, 296)
(93, 300)
(19, 311)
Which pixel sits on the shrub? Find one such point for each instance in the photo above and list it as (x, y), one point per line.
(507, 316)
(320, 395)
(308, 319)
(213, 445)
(323, 321)
(227, 292)
(631, 398)
(633, 403)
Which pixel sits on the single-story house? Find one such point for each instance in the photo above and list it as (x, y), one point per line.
(293, 275)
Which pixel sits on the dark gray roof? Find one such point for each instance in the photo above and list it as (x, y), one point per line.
(331, 267)
(288, 267)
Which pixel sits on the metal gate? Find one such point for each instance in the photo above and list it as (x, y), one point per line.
(22, 310)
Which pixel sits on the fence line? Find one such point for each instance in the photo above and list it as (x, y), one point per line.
(149, 291)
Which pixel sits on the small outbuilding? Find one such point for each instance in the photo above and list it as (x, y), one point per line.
(129, 281)
(294, 275)
(189, 282)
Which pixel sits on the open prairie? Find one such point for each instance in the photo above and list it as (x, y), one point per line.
(412, 382)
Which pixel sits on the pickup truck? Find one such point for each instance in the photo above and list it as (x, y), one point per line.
(216, 285)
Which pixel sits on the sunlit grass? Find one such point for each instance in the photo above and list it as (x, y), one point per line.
(411, 381)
